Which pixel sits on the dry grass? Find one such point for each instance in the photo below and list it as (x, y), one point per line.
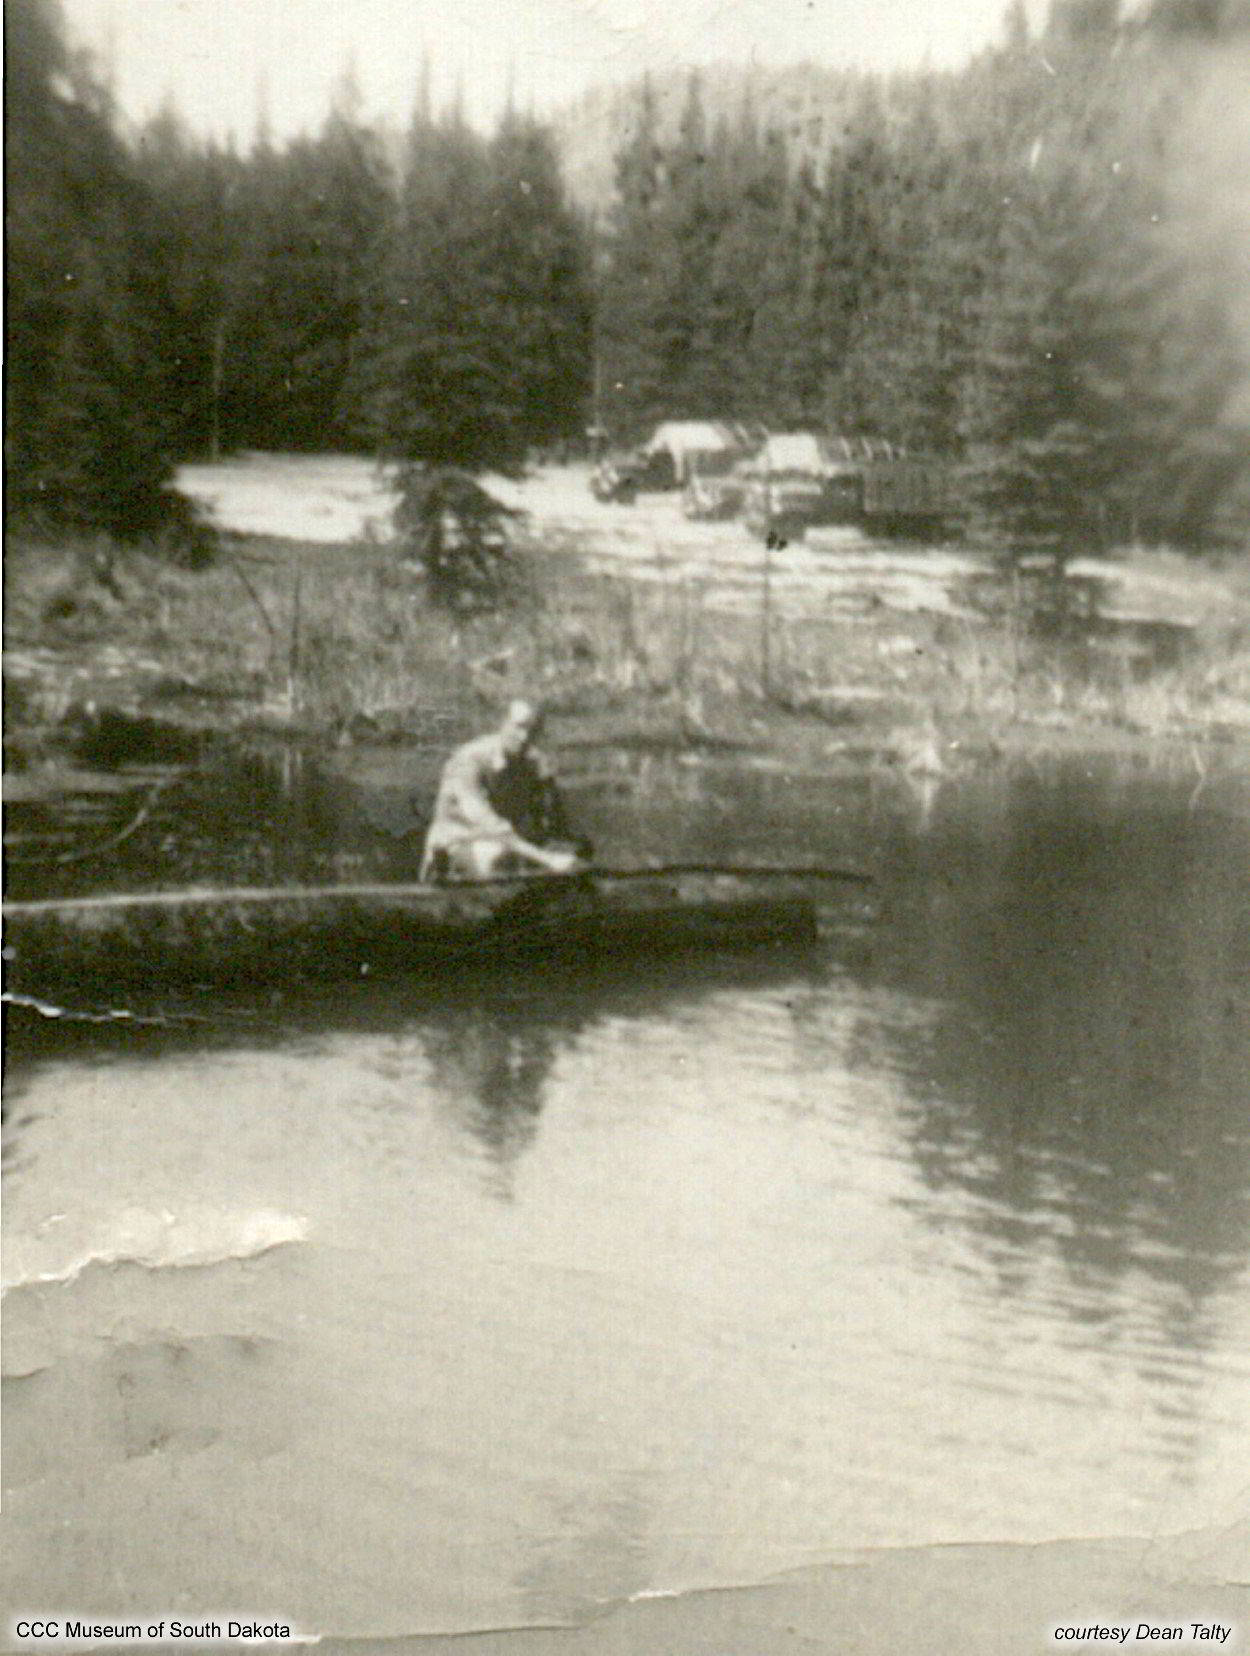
(339, 640)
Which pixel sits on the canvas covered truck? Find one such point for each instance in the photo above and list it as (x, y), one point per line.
(804, 480)
(908, 494)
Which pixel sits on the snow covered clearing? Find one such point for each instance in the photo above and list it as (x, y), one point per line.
(344, 499)
(326, 498)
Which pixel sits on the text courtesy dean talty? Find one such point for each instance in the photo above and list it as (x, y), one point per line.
(1124, 1633)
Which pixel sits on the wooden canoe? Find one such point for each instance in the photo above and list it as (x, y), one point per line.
(353, 930)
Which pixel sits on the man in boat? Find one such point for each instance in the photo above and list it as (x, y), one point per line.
(498, 809)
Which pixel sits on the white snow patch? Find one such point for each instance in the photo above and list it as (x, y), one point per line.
(329, 498)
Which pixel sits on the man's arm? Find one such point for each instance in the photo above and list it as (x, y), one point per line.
(463, 800)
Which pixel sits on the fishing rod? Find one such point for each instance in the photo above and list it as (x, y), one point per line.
(743, 871)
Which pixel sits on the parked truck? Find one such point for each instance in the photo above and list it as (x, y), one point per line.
(908, 494)
(804, 480)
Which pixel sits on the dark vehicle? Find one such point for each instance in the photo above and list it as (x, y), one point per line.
(676, 453)
(621, 477)
(615, 479)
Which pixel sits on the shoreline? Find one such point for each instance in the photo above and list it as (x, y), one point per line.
(121, 668)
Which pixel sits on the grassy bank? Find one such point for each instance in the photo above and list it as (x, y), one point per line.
(337, 643)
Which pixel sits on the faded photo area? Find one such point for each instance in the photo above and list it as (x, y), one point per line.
(627, 762)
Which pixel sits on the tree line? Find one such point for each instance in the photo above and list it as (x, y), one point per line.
(171, 297)
(1001, 264)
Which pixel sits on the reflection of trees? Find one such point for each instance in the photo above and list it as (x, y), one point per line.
(492, 1045)
(250, 815)
(13, 1126)
(491, 1058)
(1086, 1078)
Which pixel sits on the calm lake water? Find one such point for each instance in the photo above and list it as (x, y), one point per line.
(401, 1307)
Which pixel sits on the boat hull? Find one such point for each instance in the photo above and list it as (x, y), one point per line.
(353, 931)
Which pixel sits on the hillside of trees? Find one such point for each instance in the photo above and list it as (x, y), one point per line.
(1036, 266)
(1017, 265)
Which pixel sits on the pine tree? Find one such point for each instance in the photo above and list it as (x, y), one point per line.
(189, 183)
(1016, 31)
(782, 361)
(87, 423)
(1169, 268)
(1082, 22)
(1045, 429)
(536, 254)
(419, 376)
(685, 230)
(857, 272)
(631, 387)
(333, 201)
(1095, 406)
(747, 198)
(211, 241)
(475, 343)
(896, 372)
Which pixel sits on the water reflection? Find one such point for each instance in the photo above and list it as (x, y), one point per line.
(491, 1059)
(1094, 1048)
(1077, 1097)
(623, 1277)
(239, 815)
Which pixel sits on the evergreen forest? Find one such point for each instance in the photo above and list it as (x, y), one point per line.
(1037, 266)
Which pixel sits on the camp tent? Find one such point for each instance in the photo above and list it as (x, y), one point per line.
(686, 442)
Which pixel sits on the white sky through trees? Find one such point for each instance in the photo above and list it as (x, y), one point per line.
(220, 60)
